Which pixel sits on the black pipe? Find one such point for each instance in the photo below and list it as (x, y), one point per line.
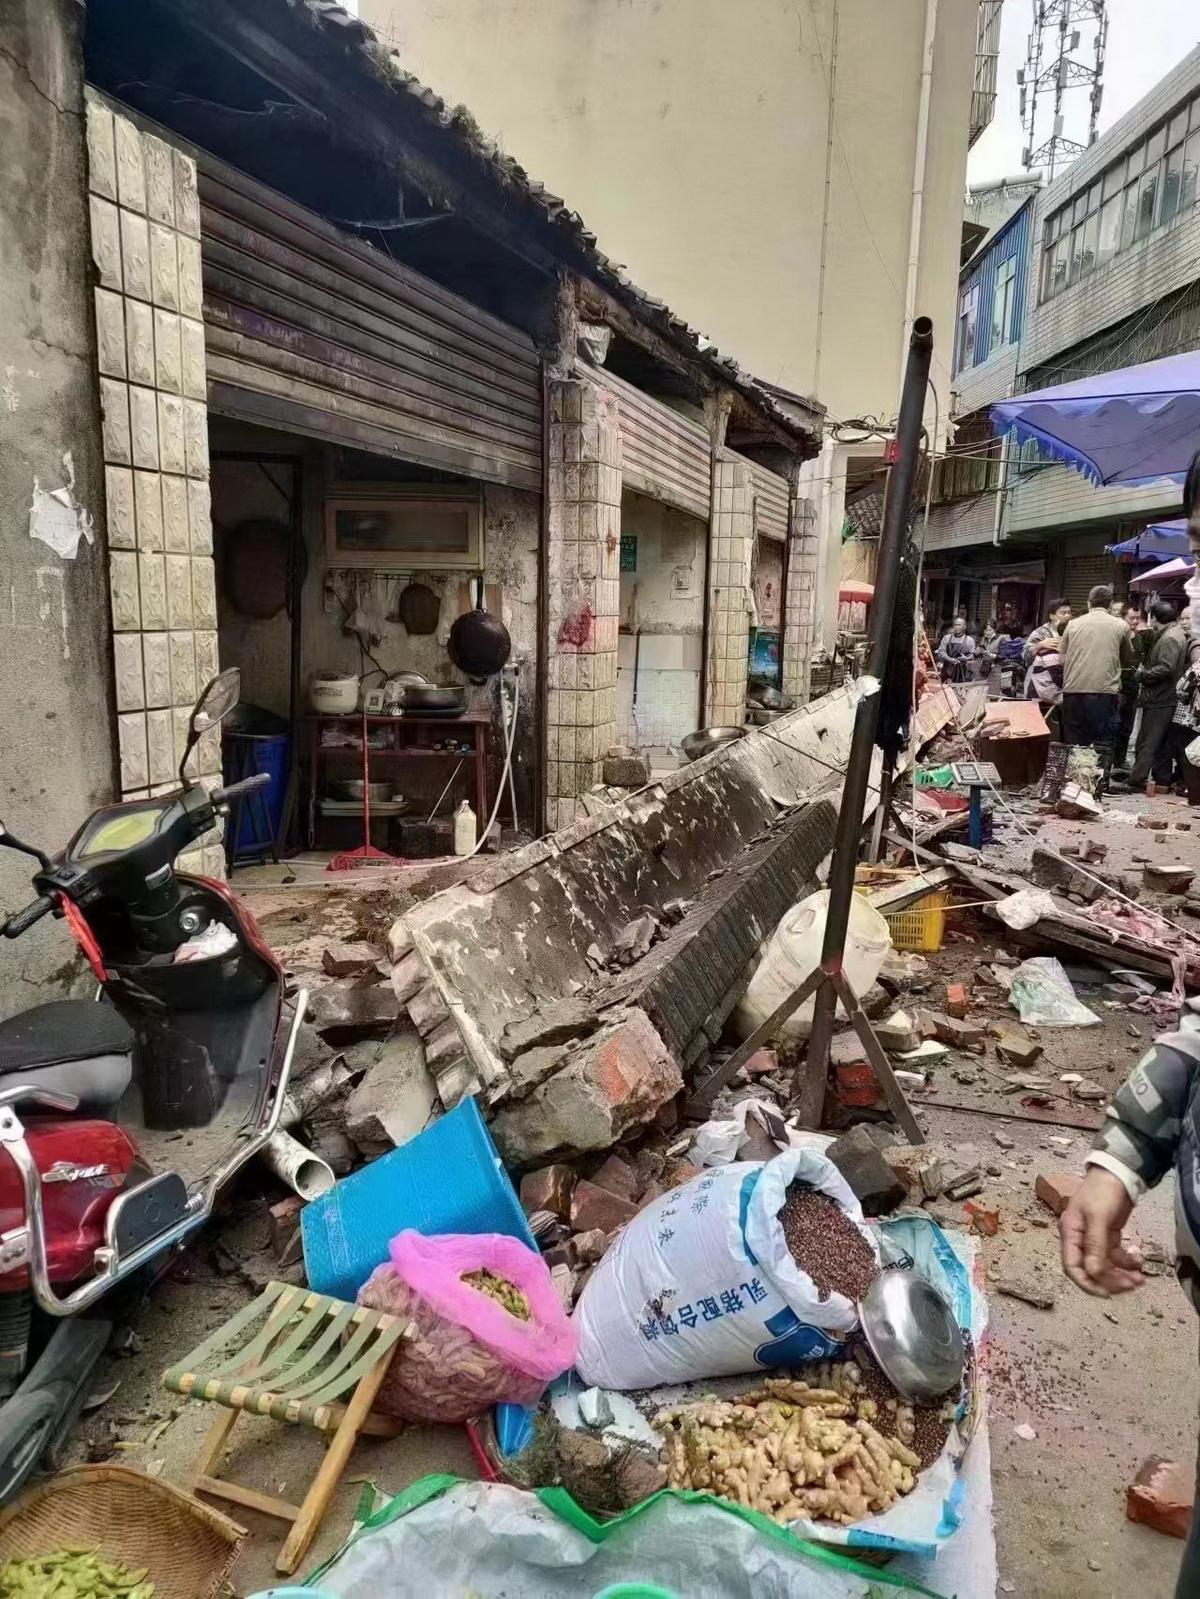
(866, 719)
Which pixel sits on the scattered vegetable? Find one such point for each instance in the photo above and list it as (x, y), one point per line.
(501, 1290)
(791, 1450)
(72, 1574)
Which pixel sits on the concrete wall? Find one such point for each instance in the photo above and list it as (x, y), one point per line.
(56, 720)
(663, 600)
(695, 138)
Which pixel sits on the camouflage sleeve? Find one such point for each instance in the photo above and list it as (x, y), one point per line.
(1143, 1123)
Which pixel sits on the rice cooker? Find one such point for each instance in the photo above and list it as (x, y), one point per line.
(333, 693)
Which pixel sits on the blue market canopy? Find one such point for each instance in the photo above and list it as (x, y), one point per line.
(1154, 543)
(1137, 425)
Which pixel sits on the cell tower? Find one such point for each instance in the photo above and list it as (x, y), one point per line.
(1054, 63)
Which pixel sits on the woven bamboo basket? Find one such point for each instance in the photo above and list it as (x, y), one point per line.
(133, 1520)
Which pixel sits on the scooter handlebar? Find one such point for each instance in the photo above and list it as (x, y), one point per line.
(221, 796)
(21, 921)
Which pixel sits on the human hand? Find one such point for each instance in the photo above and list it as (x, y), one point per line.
(1093, 1256)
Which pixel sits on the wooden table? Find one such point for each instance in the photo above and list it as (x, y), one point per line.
(410, 738)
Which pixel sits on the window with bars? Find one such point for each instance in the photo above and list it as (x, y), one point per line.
(1144, 189)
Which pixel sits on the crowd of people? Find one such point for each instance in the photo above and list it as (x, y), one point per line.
(1097, 675)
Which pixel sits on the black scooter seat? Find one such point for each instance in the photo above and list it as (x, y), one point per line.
(59, 1032)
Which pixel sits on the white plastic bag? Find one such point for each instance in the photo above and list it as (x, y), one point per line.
(702, 1284)
(1043, 996)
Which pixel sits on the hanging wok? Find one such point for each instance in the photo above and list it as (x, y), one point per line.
(479, 644)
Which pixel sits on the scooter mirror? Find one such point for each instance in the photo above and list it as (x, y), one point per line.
(213, 706)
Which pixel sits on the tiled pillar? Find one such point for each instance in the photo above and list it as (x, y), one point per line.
(145, 216)
(584, 522)
(800, 623)
(730, 552)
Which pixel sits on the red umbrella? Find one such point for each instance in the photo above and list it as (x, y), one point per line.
(851, 589)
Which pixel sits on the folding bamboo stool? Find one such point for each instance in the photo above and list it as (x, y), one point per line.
(292, 1355)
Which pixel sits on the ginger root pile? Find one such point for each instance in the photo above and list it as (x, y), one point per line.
(789, 1449)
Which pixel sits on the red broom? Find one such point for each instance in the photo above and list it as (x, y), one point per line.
(366, 854)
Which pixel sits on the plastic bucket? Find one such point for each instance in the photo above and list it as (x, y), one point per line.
(270, 755)
(793, 953)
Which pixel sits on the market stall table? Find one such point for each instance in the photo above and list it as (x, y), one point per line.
(410, 737)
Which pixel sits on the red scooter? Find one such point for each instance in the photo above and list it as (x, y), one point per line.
(121, 1119)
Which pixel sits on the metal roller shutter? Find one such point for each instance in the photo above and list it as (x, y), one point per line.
(1081, 573)
(309, 330)
(663, 455)
(770, 501)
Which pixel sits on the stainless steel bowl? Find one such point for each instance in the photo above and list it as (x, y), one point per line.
(913, 1335)
(352, 789)
(699, 744)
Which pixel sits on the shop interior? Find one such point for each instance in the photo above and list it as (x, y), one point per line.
(340, 577)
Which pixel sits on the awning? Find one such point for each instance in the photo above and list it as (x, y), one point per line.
(1154, 542)
(854, 591)
(1169, 575)
(1137, 425)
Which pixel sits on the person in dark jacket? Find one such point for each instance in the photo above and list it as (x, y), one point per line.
(1166, 657)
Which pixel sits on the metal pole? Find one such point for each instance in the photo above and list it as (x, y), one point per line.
(811, 1075)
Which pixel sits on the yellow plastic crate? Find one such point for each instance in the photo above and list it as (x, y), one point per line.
(923, 925)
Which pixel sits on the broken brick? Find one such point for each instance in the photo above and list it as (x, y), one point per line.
(956, 1000)
(1056, 1190)
(427, 1010)
(593, 1207)
(648, 1195)
(760, 1064)
(859, 1159)
(550, 1188)
(985, 1222)
(618, 1177)
(408, 975)
(1017, 1050)
(1162, 1495)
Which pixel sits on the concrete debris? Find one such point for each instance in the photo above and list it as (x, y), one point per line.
(342, 959)
(565, 1284)
(1024, 1432)
(531, 1069)
(954, 1032)
(615, 1081)
(443, 1046)
(396, 1099)
(556, 1023)
(634, 940)
(897, 1033)
(1029, 1293)
(595, 1409)
(399, 940)
(342, 1013)
(932, 1177)
(960, 1184)
(1090, 1093)
(285, 1229)
(876, 1186)
(586, 1247)
(1162, 1495)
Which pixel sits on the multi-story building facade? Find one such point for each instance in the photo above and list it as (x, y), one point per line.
(790, 174)
(1112, 280)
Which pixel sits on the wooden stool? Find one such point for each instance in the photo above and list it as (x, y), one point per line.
(292, 1355)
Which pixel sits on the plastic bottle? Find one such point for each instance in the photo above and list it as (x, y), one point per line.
(464, 829)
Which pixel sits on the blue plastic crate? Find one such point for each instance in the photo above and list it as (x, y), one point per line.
(448, 1179)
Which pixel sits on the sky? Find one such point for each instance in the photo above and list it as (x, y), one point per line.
(1145, 40)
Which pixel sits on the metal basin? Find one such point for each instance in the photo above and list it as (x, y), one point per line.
(352, 789)
(913, 1335)
(707, 739)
